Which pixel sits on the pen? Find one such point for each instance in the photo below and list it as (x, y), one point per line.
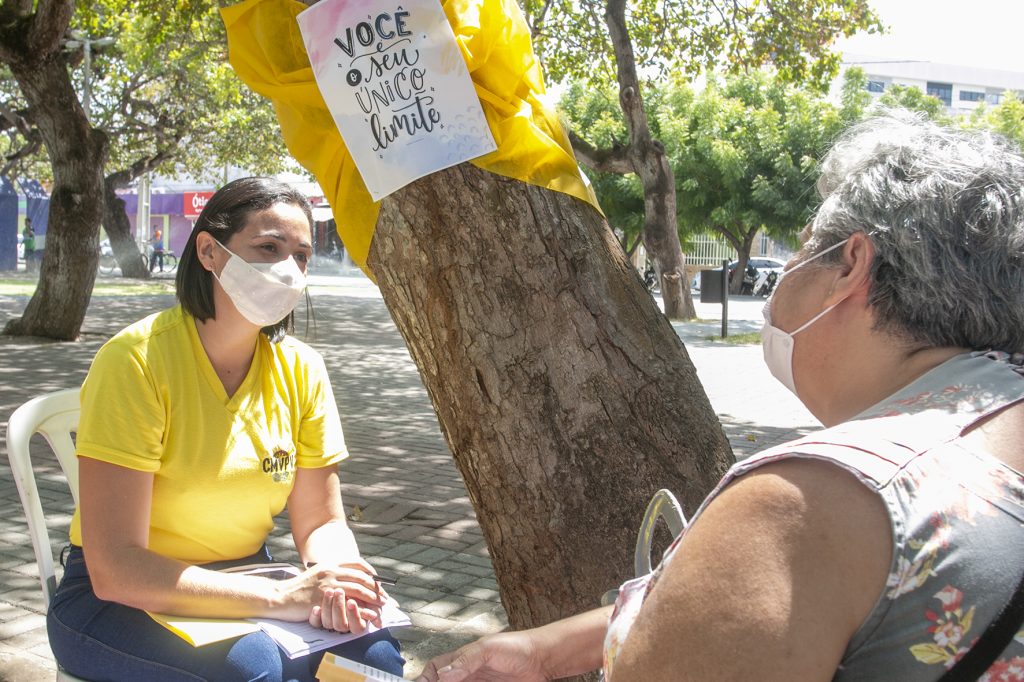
(382, 579)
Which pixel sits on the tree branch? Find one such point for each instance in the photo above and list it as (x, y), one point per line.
(123, 177)
(16, 119)
(48, 26)
(33, 144)
(538, 21)
(613, 160)
(625, 66)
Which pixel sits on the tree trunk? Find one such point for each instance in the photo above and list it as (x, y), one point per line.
(119, 229)
(77, 154)
(661, 236)
(661, 231)
(742, 258)
(565, 395)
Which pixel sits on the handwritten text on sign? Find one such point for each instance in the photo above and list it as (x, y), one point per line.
(396, 84)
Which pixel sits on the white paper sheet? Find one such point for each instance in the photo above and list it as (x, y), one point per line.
(299, 639)
(395, 82)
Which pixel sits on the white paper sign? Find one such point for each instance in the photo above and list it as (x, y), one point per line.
(397, 86)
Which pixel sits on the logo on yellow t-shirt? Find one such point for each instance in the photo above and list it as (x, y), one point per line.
(280, 465)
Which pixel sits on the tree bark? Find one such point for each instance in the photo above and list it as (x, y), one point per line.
(119, 229)
(565, 395)
(77, 154)
(650, 163)
(742, 246)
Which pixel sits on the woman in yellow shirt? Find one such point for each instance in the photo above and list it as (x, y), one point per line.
(199, 424)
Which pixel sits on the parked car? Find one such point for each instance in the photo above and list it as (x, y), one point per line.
(755, 266)
(759, 268)
(761, 263)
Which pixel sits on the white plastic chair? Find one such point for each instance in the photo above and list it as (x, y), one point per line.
(55, 416)
(663, 505)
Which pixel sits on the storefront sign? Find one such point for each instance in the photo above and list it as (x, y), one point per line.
(194, 203)
(397, 86)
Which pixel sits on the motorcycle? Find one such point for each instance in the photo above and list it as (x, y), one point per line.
(651, 280)
(749, 279)
(765, 283)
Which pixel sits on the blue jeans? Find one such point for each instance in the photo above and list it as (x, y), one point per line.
(102, 640)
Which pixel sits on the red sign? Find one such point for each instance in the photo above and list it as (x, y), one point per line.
(194, 203)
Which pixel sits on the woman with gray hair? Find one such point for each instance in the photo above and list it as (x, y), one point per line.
(888, 545)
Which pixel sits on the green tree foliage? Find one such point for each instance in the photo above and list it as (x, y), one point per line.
(163, 99)
(745, 154)
(637, 41)
(854, 97)
(691, 37)
(913, 98)
(1006, 118)
(163, 93)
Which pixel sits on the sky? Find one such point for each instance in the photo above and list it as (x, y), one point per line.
(981, 33)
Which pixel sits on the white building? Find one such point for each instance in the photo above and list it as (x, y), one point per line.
(960, 88)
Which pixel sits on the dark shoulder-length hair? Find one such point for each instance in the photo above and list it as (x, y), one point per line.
(226, 213)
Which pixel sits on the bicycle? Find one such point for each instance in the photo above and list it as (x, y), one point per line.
(170, 262)
(107, 263)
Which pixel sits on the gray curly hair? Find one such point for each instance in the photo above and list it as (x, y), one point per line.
(944, 209)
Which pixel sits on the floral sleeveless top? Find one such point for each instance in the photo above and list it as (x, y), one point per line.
(957, 523)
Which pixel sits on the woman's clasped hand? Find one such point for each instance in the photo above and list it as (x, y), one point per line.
(344, 598)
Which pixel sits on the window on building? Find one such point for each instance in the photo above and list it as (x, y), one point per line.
(994, 97)
(943, 91)
(876, 86)
(971, 96)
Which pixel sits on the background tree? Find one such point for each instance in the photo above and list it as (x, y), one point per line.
(1006, 118)
(31, 38)
(163, 99)
(597, 41)
(21, 143)
(596, 115)
(745, 155)
(913, 98)
(169, 102)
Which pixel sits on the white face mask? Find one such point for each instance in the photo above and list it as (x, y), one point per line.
(776, 344)
(264, 293)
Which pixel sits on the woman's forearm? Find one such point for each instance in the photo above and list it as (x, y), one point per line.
(332, 544)
(575, 645)
(143, 579)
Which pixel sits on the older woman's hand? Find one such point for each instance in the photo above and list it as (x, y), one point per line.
(505, 656)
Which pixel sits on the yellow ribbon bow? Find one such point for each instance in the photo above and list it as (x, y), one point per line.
(266, 50)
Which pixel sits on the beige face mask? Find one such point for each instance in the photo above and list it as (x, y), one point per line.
(776, 344)
(264, 293)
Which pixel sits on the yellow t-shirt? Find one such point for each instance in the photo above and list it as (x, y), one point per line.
(222, 467)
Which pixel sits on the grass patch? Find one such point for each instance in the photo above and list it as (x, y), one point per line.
(114, 287)
(748, 339)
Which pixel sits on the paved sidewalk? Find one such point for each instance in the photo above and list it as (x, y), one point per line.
(407, 503)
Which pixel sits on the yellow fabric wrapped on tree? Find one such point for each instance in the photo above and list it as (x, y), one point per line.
(266, 50)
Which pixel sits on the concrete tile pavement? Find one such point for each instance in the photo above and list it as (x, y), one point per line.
(407, 503)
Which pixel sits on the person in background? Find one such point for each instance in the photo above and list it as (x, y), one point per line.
(156, 253)
(884, 546)
(28, 241)
(199, 424)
